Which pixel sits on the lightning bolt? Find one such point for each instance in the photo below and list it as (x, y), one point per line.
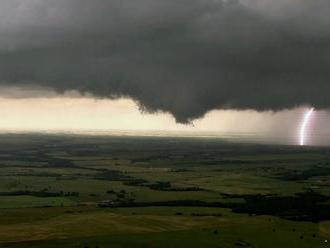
(304, 125)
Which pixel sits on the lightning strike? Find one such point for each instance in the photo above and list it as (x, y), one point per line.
(304, 125)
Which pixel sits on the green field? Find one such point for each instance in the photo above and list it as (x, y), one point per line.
(89, 191)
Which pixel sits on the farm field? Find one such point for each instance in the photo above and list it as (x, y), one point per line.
(113, 191)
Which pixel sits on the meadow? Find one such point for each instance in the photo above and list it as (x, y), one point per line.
(113, 191)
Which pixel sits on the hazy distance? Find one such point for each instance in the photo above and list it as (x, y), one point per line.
(71, 112)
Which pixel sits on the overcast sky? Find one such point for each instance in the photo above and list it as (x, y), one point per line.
(182, 58)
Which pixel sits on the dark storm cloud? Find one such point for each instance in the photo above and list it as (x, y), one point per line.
(182, 56)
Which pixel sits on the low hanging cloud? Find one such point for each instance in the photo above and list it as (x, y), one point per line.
(185, 57)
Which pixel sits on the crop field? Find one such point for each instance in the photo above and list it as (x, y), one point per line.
(113, 191)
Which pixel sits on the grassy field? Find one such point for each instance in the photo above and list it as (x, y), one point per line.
(159, 227)
(85, 191)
